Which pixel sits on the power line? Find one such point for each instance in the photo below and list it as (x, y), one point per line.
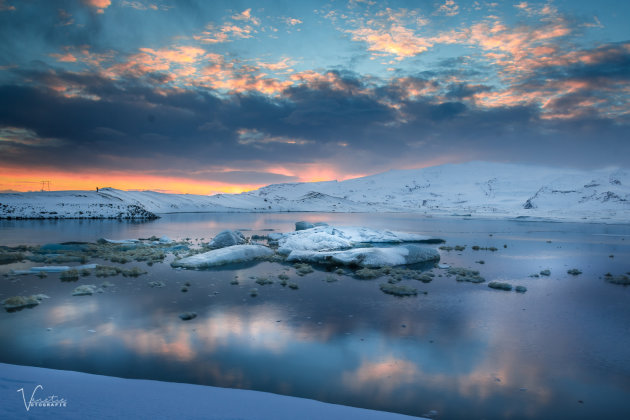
(45, 184)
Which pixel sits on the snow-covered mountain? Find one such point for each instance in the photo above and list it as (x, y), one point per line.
(480, 189)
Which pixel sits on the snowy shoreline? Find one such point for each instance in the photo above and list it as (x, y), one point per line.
(474, 189)
(94, 396)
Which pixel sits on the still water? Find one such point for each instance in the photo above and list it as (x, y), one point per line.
(560, 350)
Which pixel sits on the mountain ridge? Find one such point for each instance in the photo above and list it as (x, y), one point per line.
(481, 189)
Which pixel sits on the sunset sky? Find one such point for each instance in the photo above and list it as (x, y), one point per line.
(226, 96)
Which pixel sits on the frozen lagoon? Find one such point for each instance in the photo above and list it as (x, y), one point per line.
(463, 349)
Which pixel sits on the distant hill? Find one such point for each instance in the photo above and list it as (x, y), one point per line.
(478, 189)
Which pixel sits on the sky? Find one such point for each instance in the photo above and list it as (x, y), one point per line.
(226, 96)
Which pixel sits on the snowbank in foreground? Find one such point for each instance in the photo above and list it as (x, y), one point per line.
(96, 397)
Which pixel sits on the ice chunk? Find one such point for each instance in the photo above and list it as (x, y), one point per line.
(118, 241)
(55, 269)
(50, 269)
(227, 238)
(222, 256)
(369, 257)
(85, 290)
(302, 225)
(165, 240)
(312, 241)
(329, 238)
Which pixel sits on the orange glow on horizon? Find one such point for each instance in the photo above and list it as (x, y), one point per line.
(23, 180)
(31, 180)
(28, 180)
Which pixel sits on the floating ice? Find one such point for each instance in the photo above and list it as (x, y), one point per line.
(329, 238)
(227, 238)
(119, 241)
(54, 269)
(222, 256)
(85, 290)
(50, 269)
(369, 257)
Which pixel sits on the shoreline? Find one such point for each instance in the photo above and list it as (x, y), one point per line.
(437, 215)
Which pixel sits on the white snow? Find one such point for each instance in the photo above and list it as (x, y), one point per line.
(121, 241)
(54, 269)
(369, 257)
(478, 189)
(98, 397)
(50, 269)
(222, 256)
(329, 238)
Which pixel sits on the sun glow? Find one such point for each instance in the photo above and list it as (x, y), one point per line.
(13, 179)
(24, 180)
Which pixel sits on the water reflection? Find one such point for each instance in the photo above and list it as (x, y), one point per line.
(464, 350)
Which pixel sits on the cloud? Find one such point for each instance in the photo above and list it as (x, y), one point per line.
(99, 5)
(484, 89)
(396, 40)
(64, 58)
(449, 8)
(389, 31)
(170, 62)
(246, 16)
(253, 136)
(283, 64)
(140, 5)
(336, 120)
(292, 21)
(224, 33)
(4, 6)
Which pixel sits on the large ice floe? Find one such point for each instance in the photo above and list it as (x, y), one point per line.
(349, 245)
(369, 257)
(352, 246)
(222, 256)
(330, 238)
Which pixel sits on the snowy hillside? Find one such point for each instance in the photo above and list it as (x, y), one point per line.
(478, 189)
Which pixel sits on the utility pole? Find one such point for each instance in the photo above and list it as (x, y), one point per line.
(45, 185)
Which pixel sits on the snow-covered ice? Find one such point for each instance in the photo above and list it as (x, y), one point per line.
(120, 241)
(227, 238)
(369, 257)
(50, 269)
(222, 256)
(98, 397)
(54, 269)
(329, 238)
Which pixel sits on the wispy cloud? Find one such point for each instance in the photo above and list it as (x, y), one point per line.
(246, 16)
(5, 6)
(99, 5)
(449, 8)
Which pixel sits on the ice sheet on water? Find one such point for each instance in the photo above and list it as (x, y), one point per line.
(329, 238)
(369, 257)
(222, 256)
